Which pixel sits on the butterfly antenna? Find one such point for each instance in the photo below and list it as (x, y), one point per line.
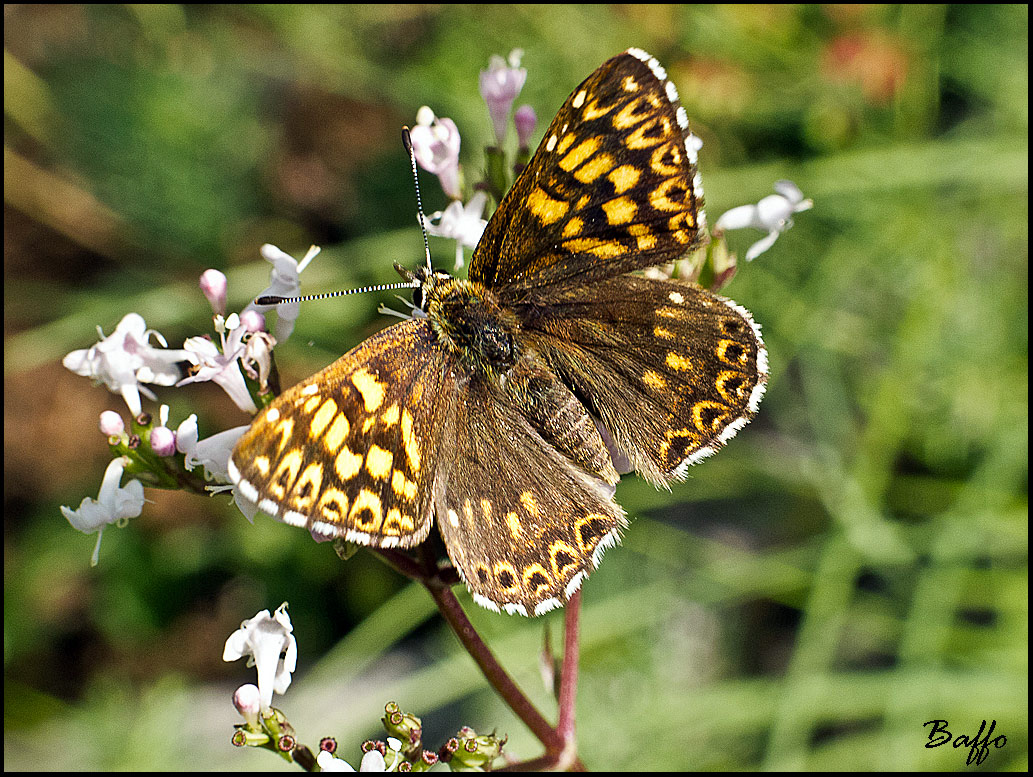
(407, 142)
(275, 300)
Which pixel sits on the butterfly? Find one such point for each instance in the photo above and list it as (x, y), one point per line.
(506, 409)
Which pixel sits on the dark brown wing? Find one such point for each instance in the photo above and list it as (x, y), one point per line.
(525, 503)
(673, 371)
(613, 187)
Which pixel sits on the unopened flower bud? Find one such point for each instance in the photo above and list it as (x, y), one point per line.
(163, 441)
(248, 701)
(253, 321)
(213, 284)
(525, 121)
(111, 423)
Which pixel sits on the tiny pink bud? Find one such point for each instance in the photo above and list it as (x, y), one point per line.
(111, 423)
(163, 441)
(248, 701)
(213, 284)
(253, 321)
(525, 121)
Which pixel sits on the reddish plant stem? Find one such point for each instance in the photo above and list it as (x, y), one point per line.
(560, 746)
(569, 672)
(491, 669)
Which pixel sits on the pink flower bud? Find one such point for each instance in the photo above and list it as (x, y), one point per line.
(213, 284)
(163, 441)
(253, 321)
(111, 423)
(248, 701)
(525, 121)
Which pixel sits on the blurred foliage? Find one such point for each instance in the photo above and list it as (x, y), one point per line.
(853, 565)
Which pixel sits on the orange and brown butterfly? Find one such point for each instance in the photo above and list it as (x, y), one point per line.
(498, 411)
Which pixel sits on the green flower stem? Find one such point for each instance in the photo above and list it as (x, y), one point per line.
(496, 175)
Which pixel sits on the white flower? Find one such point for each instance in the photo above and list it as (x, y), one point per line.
(113, 504)
(460, 223)
(257, 360)
(772, 214)
(373, 761)
(221, 366)
(435, 144)
(284, 281)
(213, 454)
(125, 359)
(269, 643)
(328, 762)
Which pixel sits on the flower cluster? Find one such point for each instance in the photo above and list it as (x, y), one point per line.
(268, 643)
(135, 357)
(436, 144)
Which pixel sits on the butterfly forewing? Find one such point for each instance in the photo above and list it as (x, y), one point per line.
(613, 187)
(351, 451)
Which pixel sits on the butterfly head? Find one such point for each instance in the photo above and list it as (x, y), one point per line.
(424, 280)
(466, 317)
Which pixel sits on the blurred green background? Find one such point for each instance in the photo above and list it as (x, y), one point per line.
(853, 565)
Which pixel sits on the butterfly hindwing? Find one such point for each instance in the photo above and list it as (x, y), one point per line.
(523, 522)
(613, 187)
(672, 370)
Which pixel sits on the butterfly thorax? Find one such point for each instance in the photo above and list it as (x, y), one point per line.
(471, 323)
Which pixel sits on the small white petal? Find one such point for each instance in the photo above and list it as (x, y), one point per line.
(425, 116)
(739, 218)
(329, 763)
(373, 761)
(762, 245)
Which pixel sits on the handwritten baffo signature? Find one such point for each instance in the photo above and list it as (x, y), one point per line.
(979, 748)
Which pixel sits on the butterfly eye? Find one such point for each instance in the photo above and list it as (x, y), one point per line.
(417, 297)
